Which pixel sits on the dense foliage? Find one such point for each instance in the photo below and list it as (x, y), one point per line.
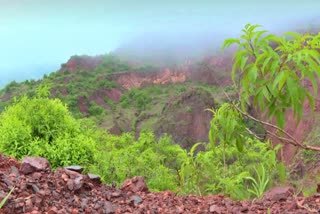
(44, 127)
(125, 157)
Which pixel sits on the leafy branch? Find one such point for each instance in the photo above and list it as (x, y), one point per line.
(271, 70)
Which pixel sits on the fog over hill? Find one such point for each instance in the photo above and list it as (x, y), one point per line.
(36, 34)
(170, 48)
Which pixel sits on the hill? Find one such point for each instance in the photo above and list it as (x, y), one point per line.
(123, 96)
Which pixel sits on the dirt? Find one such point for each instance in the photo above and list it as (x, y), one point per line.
(139, 79)
(212, 73)
(114, 94)
(98, 97)
(83, 106)
(37, 189)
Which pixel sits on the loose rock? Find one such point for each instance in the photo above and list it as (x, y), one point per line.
(278, 193)
(67, 191)
(135, 184)
(75, 168)
(34, 164)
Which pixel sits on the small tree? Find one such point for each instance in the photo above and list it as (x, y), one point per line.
(270, 72)
(273, 69)
(227, 128)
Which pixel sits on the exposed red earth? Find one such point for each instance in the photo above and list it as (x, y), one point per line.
(83, 62)
(38, 189)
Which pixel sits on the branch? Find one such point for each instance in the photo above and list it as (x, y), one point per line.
(291, 139)
(286, 140)
(254, 134)
(267, 124)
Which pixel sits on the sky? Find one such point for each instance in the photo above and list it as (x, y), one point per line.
(37, 36)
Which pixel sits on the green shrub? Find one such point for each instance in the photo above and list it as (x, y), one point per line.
(106, 84)
(95, 109)
(206, 172)
(228, 165)
(136, 97)
(44, 127)
(124, 157)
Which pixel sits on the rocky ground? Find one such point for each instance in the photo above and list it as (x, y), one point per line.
(37, 189)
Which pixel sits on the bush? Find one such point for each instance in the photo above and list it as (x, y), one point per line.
(106, 84)
(228, 165)
(137, 98)
(205, 172)
(124, 157)
(44, 127)
(95, 109)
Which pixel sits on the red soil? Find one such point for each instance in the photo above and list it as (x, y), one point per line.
(64, 191)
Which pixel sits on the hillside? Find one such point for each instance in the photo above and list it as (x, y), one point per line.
(122, 97)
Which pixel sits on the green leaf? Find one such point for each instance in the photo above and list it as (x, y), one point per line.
(311, 102)
(280, 79)
(313, 81)
(212, 137)
(265, 63)
(229, 42)
(280, 117)
(239, 144)
(266, 93)
(194, 147)
(293, 34)
(281, 171)
(258, 36)
(253, 74)
(243, 62)
(293, 93)
(4, 200)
